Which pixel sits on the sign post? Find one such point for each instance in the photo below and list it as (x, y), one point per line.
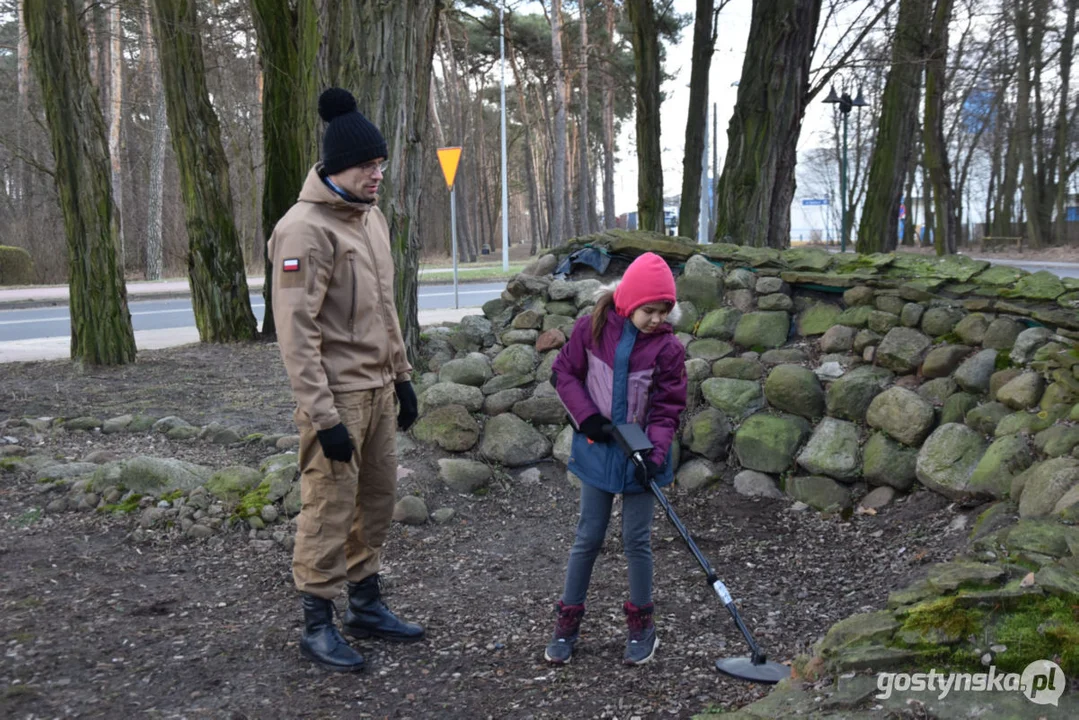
(448, 158)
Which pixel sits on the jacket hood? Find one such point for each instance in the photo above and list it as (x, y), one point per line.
(316, 191)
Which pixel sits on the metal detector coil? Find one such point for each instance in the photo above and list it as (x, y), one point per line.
(757, 668)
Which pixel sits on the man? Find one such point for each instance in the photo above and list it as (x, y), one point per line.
(341, 344)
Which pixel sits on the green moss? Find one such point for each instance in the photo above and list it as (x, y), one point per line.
(11, 464)
(28, 518)
(253, 502)
(124, 507)
(1043, 628)
(943, 616)
(1004, 360)
(949, 338)
(174, 495)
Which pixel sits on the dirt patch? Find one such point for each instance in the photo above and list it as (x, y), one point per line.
(96, 623)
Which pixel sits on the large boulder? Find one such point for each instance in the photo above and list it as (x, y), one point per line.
(837, 339)
(1022, 392)
(849, 396)
(971, 329)
(1005, 458)
(451, 427)
(886, 462)
(719, 324)
(709, 350)
(160, 476)
(939, 321)
(474, 369)
(464, 476)
(697, 474)
(449, 393)
(229, 484)
(903, 414)
(768, 443)
(795, 389)
(509, 440)
(948, 459)
(832, 450)
(736, 368)
(1057, 440)
(1027, 342)
(974, 374)
(1046, 483)
(737, 398)
(817, 319)
(701, 288)
(822, 493)
(707, 433)
(756, 484)
(1002, 333)
(902, 349)
(541, 410)
(942, 361)
(956, 407)
(515, 360)
(767, 329)
(985, 418)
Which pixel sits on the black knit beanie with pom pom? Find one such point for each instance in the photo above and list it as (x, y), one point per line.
(350, 138)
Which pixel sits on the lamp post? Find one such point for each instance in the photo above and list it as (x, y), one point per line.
(845, 104)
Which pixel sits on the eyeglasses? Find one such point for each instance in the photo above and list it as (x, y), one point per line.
(370, 167)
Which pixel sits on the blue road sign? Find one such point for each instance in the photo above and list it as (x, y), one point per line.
(815, 201)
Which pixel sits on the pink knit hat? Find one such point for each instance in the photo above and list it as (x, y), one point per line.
(648, 279)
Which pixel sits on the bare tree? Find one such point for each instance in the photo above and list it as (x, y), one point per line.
(558, 192)
(609, 211)
(116, 117)
(158, 146)
(936, 148)
(584, 175)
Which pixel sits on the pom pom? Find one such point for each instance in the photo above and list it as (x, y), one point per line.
(334, 103)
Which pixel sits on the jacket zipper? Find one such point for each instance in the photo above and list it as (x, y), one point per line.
(378, 283)
(355, 292)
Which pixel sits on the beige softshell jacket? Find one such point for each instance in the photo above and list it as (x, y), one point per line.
(333, 300)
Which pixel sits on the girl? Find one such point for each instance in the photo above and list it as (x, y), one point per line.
(622, 364)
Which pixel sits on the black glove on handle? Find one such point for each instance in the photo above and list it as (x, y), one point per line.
(597, 428)
(406, 396)
(336, 443)
(646, 473)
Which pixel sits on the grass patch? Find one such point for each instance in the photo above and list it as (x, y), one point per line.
(493, 272)
(28, 518)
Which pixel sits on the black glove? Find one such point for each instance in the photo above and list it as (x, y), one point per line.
(597, 428)
(649, 472)
(336, 443)
(409, 407)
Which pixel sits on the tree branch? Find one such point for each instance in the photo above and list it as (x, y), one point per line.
(823, 81)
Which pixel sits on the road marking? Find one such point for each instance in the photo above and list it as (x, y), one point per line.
(463, 292)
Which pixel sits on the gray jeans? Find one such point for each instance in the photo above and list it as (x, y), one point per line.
(637, 511)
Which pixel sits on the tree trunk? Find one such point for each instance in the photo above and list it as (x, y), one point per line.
(558, 189)
(911, 175)
(704, 42)
(878, 230)
(116, 120)
(609, 211)
(22, 119)
(449, 70)
(530, 170)
(936, 147)
(101, 332)
(645, 36)
(288, 40)
(215, 262)
(1063, 127)
(757, 184)
(928, 231)
(158, 140)
(1029, 28)
(392, 81)
(584, 173)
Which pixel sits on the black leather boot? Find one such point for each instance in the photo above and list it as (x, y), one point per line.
(368, 616)
(321, 642)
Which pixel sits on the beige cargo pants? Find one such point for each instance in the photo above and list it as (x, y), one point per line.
(346, 507)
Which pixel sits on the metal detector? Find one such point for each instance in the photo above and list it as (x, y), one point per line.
(756, 668)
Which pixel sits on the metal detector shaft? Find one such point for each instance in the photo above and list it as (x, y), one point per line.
(758, 656)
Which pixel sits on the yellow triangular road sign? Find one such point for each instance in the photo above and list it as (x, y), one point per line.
(448, 157)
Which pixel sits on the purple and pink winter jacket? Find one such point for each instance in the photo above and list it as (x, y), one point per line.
(629, 376)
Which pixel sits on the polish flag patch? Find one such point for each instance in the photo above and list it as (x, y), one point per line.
(291, 265)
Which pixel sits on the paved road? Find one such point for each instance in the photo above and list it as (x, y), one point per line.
(31, 323)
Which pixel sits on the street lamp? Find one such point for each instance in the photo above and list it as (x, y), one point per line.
(845, 104)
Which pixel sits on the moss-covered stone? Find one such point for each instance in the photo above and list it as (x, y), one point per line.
(817, 319)
(901, 413)
(832, 450)
(766, 329)
(951, 576)
(986, 417)
(948, 458)
(709, 350)
(862, 629)
(1042, 285)
(1057, 440)
(719, 324)
(708, 433)
(1045, 537)
(795, 389)
(1005, 458)
(451, 427)
(737, 369)
(1044, 484)
(939, 321)
(231, 483)
(849, 396)
(956, 407)
(886, 462)
(735, 397)
(819, 492)
(857, 317)
(768, 442)
(943, 360)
